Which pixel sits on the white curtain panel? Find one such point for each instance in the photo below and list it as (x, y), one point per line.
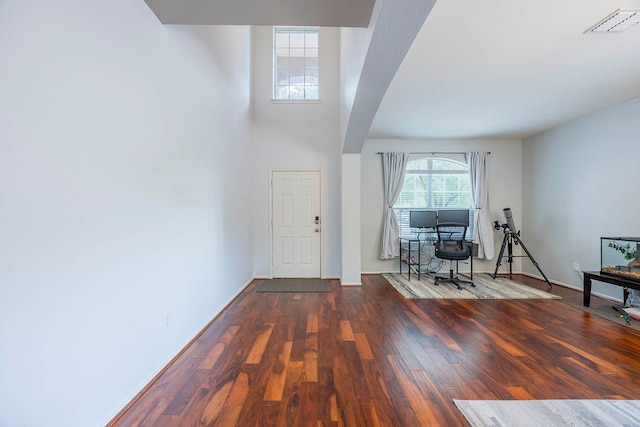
(483, 234)
(393, 167)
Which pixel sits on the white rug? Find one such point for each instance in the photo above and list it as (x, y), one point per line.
(531, 413)
(486, 288)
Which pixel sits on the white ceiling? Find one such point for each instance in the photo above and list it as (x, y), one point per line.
(509, 68)
(477, 68)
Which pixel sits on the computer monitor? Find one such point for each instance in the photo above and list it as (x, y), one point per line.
(422, 219)
(460, 216)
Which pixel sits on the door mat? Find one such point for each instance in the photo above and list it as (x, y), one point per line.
(295, 285)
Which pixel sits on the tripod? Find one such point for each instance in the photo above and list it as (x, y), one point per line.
(509, 238)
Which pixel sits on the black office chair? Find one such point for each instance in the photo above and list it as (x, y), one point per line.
(452, 246)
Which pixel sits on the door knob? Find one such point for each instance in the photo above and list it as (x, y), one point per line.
(317, 230)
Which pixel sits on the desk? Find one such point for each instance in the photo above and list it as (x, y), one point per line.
(606, 278)
(410, 251)
(411, 254)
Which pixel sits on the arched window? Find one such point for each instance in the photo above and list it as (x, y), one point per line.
(434, 183)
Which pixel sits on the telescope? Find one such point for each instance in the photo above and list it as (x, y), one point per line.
(510, 226)
(512, 237)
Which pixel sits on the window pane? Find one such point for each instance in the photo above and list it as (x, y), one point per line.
(409, 183)
(296, 92)
(311, 40)
(282, 39)
(420, 164)
(422, 182)
(297, 53)
(311, 92)
(310, 79)
(282, 92)
(297, 40)
(440, 164)
(282, 76)
(405, 200)
(438, 200)
(451, 183)
(437, 182)
(282, 52)
(296, 63)
(432, 183)
(311, 62)
(420, 199)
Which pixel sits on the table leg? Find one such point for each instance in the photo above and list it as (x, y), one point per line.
(586, 292)
(625, 296)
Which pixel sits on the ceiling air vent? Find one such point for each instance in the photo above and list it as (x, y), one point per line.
(617, 22)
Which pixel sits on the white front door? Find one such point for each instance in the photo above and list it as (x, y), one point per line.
(295, 223)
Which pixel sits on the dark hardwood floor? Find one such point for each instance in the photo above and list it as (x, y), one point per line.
(365, 356)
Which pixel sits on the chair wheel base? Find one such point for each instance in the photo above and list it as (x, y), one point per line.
(455, 281)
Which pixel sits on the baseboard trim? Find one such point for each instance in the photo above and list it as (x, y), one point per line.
(575, 288)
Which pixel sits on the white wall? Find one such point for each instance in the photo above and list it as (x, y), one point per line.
(120, 200)
(296, 136)
(579, 184)
(351, 217)
(505, 183)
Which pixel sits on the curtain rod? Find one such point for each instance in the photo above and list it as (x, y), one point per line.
(437, 152)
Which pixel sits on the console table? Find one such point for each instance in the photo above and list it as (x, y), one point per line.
(607, 278)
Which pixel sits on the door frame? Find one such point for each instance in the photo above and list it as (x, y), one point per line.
(270, 215)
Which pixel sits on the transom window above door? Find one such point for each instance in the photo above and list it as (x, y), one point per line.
(295, 63)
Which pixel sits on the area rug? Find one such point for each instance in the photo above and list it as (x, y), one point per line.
(486, 288)
(528, 413)
(610, 313)
(295, 285)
